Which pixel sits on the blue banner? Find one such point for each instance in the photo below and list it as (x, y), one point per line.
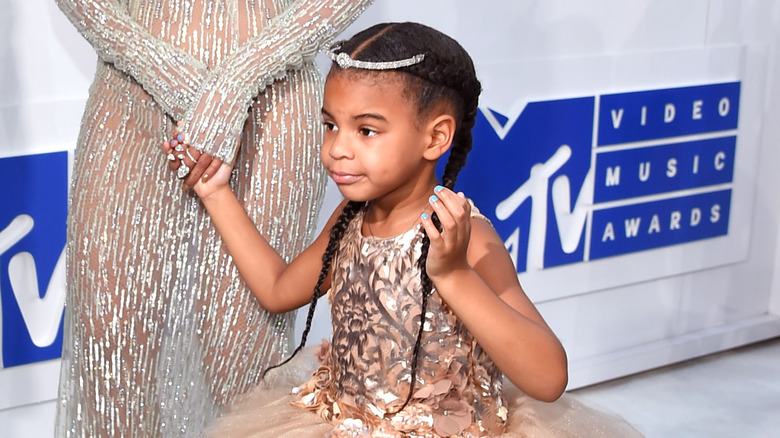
(546, 178)
(639, 227)
(32, 238)
(674, 112)
(630, 173)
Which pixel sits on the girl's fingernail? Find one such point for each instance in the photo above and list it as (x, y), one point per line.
(205, 178)
(185, 187)
(425, 215)
(434, 198)
(438, 189)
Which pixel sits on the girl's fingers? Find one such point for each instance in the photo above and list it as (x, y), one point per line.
(456, 204)
(214, 166)
(441, 211)
(429, 227)
(452, 209)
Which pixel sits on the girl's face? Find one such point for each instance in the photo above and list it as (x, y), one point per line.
(374, 142)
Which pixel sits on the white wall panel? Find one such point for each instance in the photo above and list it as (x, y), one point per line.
(46, 71)
(615, 316)
(555, 28)
(606, 321)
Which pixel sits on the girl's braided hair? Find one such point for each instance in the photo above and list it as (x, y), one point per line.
(445, 76)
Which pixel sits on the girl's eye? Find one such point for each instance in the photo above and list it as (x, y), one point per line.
(368, 132)
(330, 126)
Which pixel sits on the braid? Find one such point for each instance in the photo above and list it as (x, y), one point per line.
(427, 289)
(463, 82)
(445, 76)
(336, 233)
(461, 148)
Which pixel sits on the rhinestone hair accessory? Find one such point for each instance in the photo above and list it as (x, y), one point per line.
(345, 61)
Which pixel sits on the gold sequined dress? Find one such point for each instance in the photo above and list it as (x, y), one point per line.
(160, 330)
(364, 372)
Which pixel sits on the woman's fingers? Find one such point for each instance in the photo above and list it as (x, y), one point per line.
(198, 163)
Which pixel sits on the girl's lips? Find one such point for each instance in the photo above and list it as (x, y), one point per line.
(343, 178)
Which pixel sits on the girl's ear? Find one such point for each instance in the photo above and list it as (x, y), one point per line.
(442, 132)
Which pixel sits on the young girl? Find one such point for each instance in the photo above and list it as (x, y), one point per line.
(428, 314)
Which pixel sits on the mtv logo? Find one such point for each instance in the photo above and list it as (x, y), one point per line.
(531, 176)
(32, 257)
(572, 180)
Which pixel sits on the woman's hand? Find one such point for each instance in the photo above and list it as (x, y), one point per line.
(447, 252)
(190, 164)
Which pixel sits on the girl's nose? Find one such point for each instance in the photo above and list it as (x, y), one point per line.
(339, 147)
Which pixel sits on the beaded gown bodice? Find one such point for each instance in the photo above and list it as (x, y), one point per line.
(160, 329)
(375, 309)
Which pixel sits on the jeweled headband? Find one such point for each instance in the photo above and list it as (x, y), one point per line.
(345, 61)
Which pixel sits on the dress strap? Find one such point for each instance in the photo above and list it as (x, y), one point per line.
(476, 213)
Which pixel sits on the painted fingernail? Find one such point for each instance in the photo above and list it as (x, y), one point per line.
(205, 178)
(425, 215)
(180, 137)
(437, 189)
(434, 198)
(185, 187)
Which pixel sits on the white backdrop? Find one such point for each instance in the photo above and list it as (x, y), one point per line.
(615, 316)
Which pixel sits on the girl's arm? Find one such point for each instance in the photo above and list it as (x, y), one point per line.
(473, 273)
(278, 286)
(215, 123)
(170, 75)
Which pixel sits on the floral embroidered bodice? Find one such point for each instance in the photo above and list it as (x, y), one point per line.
(365, 372)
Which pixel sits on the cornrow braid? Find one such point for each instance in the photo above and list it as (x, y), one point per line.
(446, 75)
(349, 212)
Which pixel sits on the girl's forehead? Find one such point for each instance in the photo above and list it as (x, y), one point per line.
(354, 88)
(389, 80)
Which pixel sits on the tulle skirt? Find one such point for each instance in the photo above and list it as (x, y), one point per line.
(266, 412)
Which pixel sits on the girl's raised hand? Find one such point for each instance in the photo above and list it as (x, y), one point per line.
(447, 252)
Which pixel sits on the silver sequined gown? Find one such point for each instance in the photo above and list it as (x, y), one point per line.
(160, 330)
(364, 372)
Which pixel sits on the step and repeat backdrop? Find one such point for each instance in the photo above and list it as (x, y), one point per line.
(623, 152)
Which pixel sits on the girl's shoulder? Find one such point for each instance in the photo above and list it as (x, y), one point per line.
(483, 235)
(475, 213)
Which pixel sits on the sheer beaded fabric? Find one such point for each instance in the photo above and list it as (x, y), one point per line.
(160, 331)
